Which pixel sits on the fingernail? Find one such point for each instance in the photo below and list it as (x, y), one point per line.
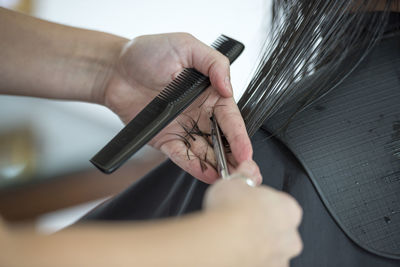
(245, 178)
(251, 183)
(228, 84)
(250, 170)
(255, 173)
(256, 179)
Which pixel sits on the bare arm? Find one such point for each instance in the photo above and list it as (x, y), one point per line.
(183, 242)
(44, 59)
(239, 226)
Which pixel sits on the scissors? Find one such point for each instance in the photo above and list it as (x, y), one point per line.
(219, 148)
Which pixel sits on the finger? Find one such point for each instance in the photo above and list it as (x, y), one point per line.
(297, 244)
(234, 129)
(210, 62)
(291, 244)
(231, 159)
(250, 169)
(293, 210)
(226, 191)
(284, 264)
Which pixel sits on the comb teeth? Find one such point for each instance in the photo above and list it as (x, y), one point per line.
(169, 103)
(186, 81)
(189, 79)
(228, 46)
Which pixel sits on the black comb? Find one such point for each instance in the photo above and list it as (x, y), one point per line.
(169, 103)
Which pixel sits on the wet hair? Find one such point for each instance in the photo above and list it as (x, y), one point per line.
(310, 39)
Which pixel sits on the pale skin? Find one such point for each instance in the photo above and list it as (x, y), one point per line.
(44, 59)
(124, 75)
(234, 229)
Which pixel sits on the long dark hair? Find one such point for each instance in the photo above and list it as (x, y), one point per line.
(310, 38)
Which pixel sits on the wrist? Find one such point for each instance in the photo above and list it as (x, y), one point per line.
(98, 57)
(9, 247)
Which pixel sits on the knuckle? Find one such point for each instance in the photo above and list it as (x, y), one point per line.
(293, 208)
(297, 213)
(224, 60)
(185, 41)
(209, 64)
(212, 63)
(186, 36)
(220, 59)
(284, 263)
(297, 245)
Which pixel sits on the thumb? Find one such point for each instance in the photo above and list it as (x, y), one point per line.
(225, 191)
(211, 63)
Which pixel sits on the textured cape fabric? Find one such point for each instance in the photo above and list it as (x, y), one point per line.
(330, 236)
(349, 143)
(162, 193)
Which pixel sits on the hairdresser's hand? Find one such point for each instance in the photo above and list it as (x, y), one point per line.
(83, 65)
(146, 65)
(259, 224)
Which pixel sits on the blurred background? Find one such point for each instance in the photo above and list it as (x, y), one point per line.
(45, 145)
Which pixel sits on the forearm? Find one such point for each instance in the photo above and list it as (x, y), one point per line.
(44, 59)
(190, 241)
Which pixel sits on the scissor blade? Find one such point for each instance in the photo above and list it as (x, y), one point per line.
(219, 150)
